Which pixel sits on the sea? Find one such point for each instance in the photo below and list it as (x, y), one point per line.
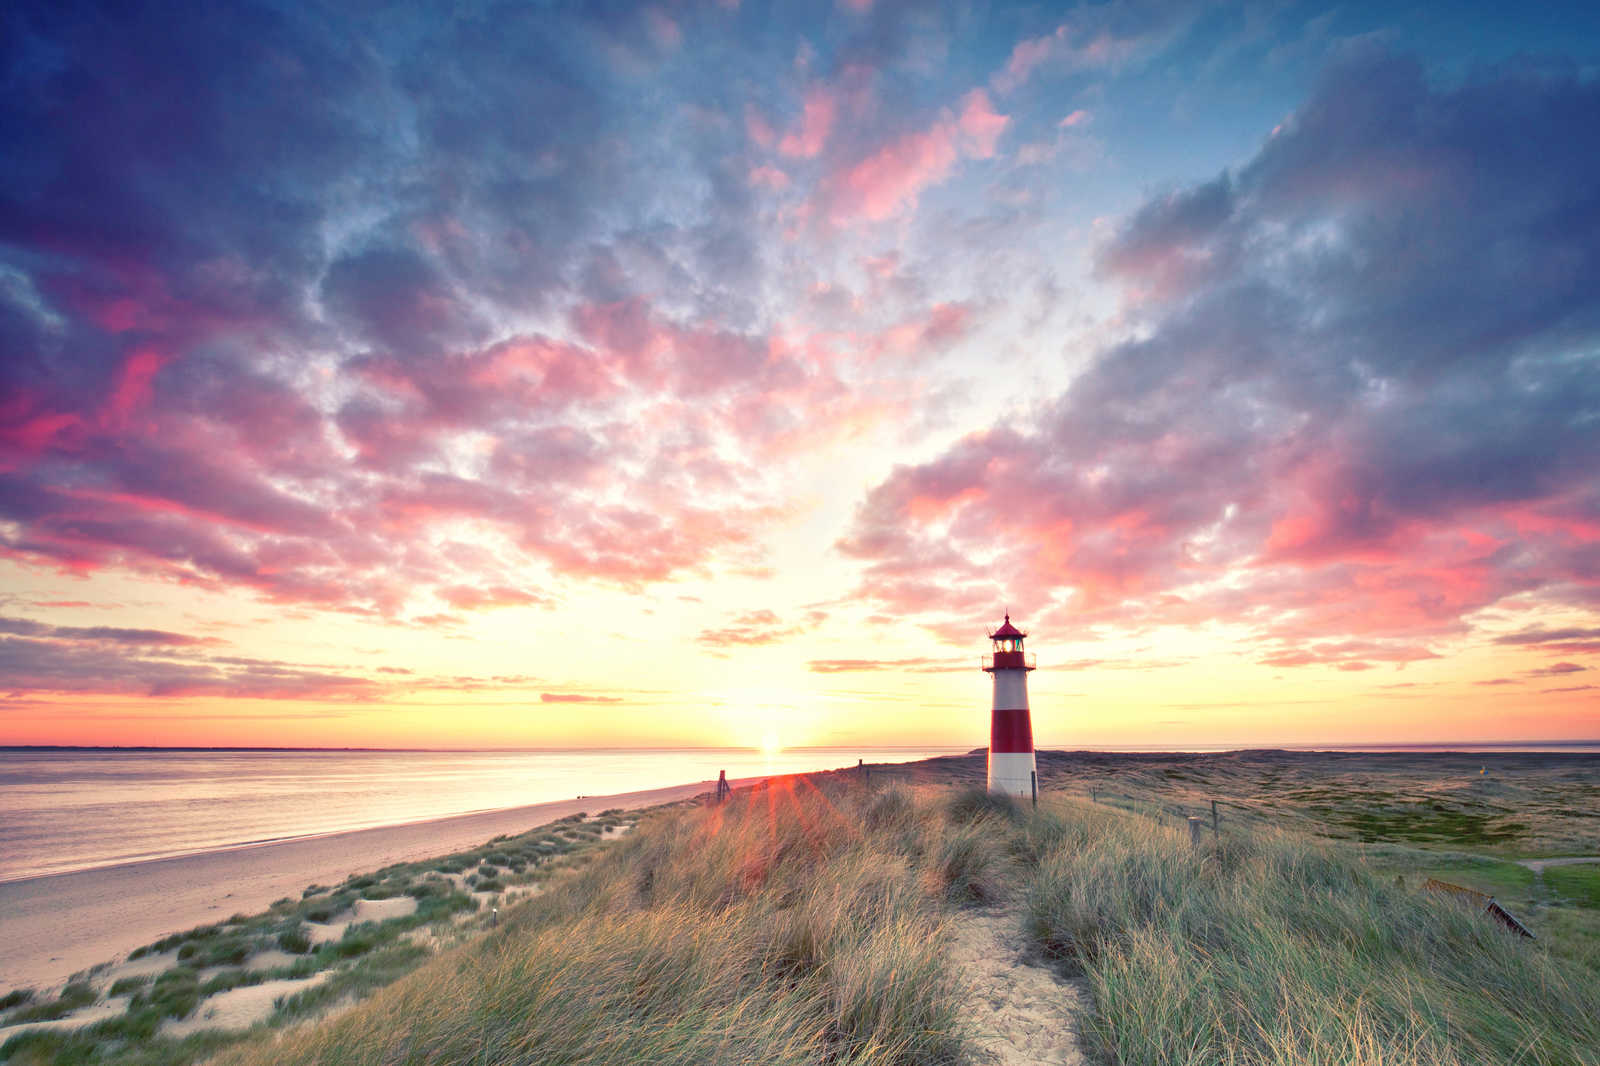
(81, 808)
(66, 809)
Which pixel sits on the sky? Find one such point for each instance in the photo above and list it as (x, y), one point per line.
(541, 374)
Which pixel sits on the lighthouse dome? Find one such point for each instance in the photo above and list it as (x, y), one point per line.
(1007, 630)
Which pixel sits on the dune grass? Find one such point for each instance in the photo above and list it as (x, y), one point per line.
(771, 930)
(805, 922)
(1269, 948)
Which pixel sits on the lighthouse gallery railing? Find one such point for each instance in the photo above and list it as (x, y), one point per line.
(1010, 660)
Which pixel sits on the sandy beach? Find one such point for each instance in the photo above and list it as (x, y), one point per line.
(52, 927)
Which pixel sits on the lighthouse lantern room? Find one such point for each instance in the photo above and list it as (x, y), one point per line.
(1012, 770)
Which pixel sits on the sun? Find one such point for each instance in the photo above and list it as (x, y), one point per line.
(770, 745)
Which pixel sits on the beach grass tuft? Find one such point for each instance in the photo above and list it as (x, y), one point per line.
(74, 995)
(974, 804)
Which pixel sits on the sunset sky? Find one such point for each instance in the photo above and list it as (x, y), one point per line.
(485, 374)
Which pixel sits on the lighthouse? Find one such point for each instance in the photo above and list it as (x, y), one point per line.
(1011, 767)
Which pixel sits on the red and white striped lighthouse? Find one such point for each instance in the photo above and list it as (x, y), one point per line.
(1011, 764)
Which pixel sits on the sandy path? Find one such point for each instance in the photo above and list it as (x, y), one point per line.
(1022, 1014)
(52, 927)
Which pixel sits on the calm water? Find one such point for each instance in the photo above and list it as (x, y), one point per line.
(73, 810)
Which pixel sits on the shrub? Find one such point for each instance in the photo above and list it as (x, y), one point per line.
(75, 995)
(295, 940)
(175, 994)
(125, 985)
(16, 998)
(974, 804)
(203, 953)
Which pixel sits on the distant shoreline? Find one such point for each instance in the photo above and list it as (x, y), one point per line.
(1402, 746)
(866, 749)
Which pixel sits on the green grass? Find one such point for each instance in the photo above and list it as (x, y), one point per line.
(126, 985)
(294, 940)
(1578, 883)
(1433, 822)
(73, 996)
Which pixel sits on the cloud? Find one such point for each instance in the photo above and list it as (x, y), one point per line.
(1094, 38)
(86, 665)
(1349, 654)
(913, 665)
(576, 697)
(1348, 412)
(1573, 640)
(891, 177)
(471, 598)
(816, 122)
(753, 628)
(1557, 670)
(109, 634)
(316, 349)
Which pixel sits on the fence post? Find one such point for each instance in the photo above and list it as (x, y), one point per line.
(1213, 819)
(1033, 780)
(1194, 831)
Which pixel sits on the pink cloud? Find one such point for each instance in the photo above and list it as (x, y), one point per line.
(980, 124)
(473, 598)
(1079, 117)
(768, 177)
(891, 179)
(816, 122)
(132, 389)
(942, 325)
(27, 430)
(1028, 54)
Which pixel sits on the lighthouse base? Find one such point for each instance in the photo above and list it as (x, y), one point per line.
(1011, 773)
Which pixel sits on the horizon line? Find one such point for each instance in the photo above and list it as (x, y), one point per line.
(1176, 749)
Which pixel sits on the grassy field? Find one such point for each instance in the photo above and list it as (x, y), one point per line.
(807, 922)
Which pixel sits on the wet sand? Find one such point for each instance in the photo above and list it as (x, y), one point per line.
(52, 927)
